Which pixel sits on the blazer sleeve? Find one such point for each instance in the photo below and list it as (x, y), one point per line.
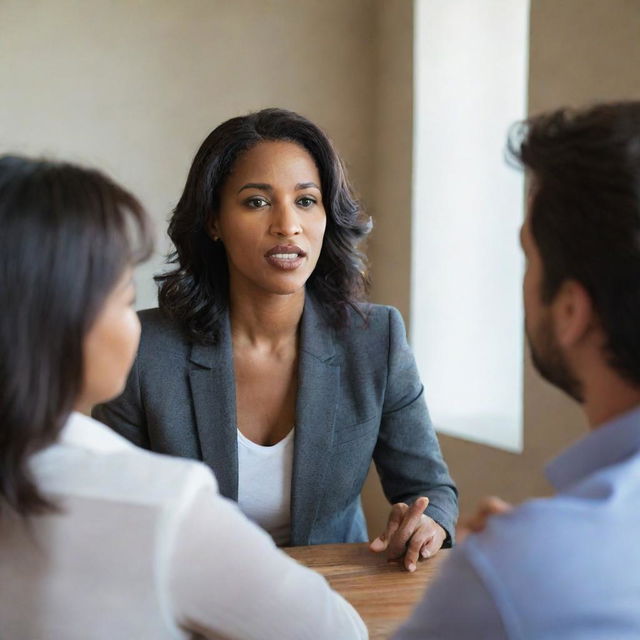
(407, 453)
(125, 414)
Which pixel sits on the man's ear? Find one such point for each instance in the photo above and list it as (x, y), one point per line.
(573, 313)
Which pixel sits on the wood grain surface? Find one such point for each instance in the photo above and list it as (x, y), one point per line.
(383, 593)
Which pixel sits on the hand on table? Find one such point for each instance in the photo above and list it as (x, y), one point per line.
(410, 533)
(487, 507)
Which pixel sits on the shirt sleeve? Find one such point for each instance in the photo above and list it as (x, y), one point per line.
(407, 455)
(457, 606)
(227, 579)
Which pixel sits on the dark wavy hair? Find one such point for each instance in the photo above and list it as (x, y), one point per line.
(585, 213)
(195, 293)
(66, 236)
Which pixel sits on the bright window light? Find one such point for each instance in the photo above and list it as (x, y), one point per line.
(470, 71)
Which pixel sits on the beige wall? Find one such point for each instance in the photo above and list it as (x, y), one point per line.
(390, 243)
(581, 51)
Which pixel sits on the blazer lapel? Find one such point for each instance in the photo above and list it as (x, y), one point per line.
(214, 401)
(318, 385)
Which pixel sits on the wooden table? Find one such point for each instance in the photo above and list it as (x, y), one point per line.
(383, 593)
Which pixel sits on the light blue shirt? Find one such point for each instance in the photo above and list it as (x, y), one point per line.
(566, 567)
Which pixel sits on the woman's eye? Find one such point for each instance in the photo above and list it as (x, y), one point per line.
(257, 202)
(306, 202)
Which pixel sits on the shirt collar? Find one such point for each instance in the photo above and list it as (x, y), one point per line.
(612, 442)
(86, 433)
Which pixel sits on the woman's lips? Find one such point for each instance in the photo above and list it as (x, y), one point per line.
(286, 257)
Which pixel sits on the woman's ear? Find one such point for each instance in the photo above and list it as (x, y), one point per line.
(212, 229)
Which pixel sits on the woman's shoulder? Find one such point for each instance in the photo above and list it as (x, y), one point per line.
(373, 318)
(369, 329)
(373, 334)
(92, 460)
(156, 320)
(161, 334)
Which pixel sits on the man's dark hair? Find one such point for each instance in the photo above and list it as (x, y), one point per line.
(585, 213)
(66, 236)
(195, 292)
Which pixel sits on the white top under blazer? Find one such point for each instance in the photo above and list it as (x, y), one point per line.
(264, 485)
(145, 547)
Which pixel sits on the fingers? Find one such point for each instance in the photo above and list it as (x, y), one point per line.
(434, 544)
(395, 518)
(412, 553)
(419, 540)
(425, 543)
(487, 507)
(492, 505)
(411, 521)
(410, 534)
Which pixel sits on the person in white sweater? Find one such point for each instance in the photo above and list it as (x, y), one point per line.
(99, 539)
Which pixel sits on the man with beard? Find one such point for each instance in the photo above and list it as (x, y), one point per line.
(568, 566)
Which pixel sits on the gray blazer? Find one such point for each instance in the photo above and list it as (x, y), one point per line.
(359, 398)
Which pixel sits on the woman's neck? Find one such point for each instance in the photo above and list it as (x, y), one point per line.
(265, 320)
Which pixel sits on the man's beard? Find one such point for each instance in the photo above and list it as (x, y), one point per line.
(550, 362)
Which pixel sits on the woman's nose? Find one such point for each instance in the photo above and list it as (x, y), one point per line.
(285, 221)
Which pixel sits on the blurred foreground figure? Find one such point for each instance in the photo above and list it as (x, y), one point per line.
(568, 566)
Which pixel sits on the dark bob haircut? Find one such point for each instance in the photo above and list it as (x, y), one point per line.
(67, 234)
(585, 213)
(195, 292)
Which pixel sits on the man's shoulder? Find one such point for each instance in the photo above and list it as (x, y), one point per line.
(556, 557)
(571, 519)
(522, 536)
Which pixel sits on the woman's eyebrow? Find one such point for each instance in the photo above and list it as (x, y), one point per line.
(263, 186)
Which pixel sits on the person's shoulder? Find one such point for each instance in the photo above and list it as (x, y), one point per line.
(91, 461)
(375, 329)
(135, 475)
(374, 318)
(172, 476)
(155, 321)
(161, 334)
(540, 538)
(557, 556)
(516, 529)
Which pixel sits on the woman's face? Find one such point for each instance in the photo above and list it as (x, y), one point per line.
(271, 220)
(110, 346)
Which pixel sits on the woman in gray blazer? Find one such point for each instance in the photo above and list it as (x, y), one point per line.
(264, 361)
